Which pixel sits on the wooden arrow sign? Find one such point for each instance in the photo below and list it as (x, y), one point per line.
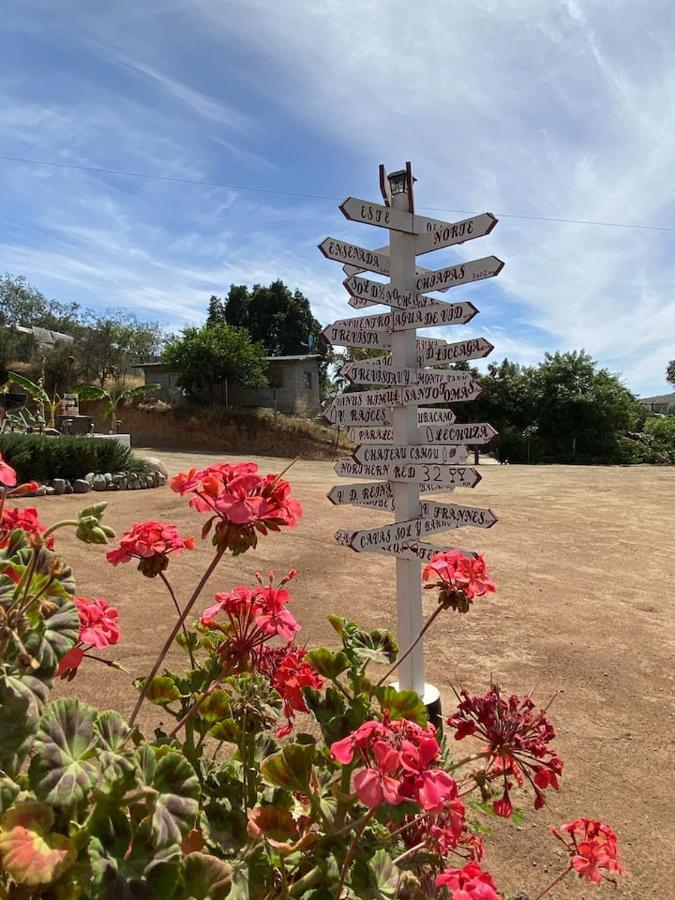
(439, 393)
(471, 433)
(383, 253)
(446, 234)
(433, 317)
(458, 351)
(347, 468)
(370, 494)
(376, 214)
(431, 416)
(463, 273)
(408, 530)
(454, 516)
(343, 336)
(443, 477)
(417, 550)
(383, 434)
(365, 292)
(356, 373)
(444, 454)
(342, 251)
(383, 397)
(372, 416)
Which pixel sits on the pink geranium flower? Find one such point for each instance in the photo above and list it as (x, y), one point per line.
(150, 543)
(468, 883)
(593, 848)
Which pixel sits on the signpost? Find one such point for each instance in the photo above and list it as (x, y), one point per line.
(410, 451)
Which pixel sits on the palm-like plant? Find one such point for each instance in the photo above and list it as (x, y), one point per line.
(45, 403)
(112, 398)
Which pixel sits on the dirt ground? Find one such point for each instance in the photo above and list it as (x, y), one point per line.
(585, 567)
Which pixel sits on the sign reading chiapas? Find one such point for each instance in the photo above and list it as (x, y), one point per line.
(409, 450)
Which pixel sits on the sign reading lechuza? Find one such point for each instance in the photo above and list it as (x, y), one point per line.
(405, 452)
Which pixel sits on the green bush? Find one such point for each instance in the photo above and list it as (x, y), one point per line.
(37, 457)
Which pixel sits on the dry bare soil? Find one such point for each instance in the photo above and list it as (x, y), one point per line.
(585, 567)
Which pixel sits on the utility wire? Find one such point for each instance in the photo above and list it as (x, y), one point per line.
(100, 170)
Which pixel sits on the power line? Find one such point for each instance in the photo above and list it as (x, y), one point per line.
(101, 170)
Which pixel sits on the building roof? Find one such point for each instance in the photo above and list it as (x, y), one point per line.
(300, 358)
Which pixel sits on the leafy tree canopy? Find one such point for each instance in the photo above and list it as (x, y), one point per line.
(212, 354)
(670, 372)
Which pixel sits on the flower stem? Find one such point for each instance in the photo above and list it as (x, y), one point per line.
(553, 883)
(410, 852)
(350, 853)
(195, 706)
(174, 631)
(425, 628)
(175, 603)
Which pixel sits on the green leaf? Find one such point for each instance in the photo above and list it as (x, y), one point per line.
(34, 391)
(177, 802)
(326, 663)
(62, 771)
(136, 873)
(402, 704)
(291, 768)
(89, 392)
(163, 690)
(204, 877)
(375, 877)
(22, 698)
(226, 730)
(117, 765)
(377, 646)
(28, 853)
(9, 791)
(54, 636)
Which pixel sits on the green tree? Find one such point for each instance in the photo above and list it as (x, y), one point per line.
(670, 372)
(115, 342)
(216, 313)
(280, 319)
(213, 354)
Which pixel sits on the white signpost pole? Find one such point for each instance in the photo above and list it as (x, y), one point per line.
(404, 421)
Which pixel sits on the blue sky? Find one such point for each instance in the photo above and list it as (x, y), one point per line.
(522, 107)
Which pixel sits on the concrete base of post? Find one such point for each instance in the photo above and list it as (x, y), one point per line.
(432, 700)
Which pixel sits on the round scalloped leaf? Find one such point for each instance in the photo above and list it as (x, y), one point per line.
(177, 803)
(205, 877)
(9, 791)
(62, 771)
(22, 699)
(118, 769)
(141, 872)
(28, 854)
(53, 637)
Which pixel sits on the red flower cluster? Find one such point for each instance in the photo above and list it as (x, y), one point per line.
(150, 543)
(459, 578)
(445, 831)
(98, 628)
(26, 520)
(397, 756)
(7, 474)
(468, 883)
(241, 502)
(517, 742)
(289, 672)
(593, 846)
(254, 616)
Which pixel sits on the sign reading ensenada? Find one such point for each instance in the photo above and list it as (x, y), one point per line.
(463, 273)
(408, 450)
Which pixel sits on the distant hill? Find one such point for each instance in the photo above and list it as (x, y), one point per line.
(661, 403)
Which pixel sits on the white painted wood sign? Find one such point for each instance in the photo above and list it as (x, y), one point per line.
(408, 450)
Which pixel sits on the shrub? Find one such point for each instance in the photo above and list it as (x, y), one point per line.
(38, 457)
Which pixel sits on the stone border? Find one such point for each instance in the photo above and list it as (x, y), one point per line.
(109, 481)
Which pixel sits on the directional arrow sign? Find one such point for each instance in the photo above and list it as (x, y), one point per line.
(417, 550)
(443, 477)
(432, 317)
(374, 416)
(396, 532)
(403, 396)
(463, 273)
(356, 373)
(477, 433)
(383, 253)
(431, 416)
(375, 214)
(379, 434)
(410, 453)
(445, 234)
(373, 260)
(455, 516)
(371, 293)
(458, 351)
(373, 493)
(342, 336)
(383, 434)
(347, 468)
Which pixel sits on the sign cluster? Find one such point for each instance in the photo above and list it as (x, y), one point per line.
(434, 458)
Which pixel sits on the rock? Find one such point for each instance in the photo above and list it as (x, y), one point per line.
(41, 491)
(108, 477)
(150, 480)
(161, 479)
(59, 485)
(113, 487)
(99, 483)
(119, 479)
(89, 477)
(155, 465)
(50, 491)
(69, 488)
(81, 486)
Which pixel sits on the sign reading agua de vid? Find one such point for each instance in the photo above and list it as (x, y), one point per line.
(410, 451)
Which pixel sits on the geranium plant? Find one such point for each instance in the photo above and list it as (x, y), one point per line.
(283, 771)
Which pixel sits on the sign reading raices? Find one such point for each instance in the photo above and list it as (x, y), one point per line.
(409, 450)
